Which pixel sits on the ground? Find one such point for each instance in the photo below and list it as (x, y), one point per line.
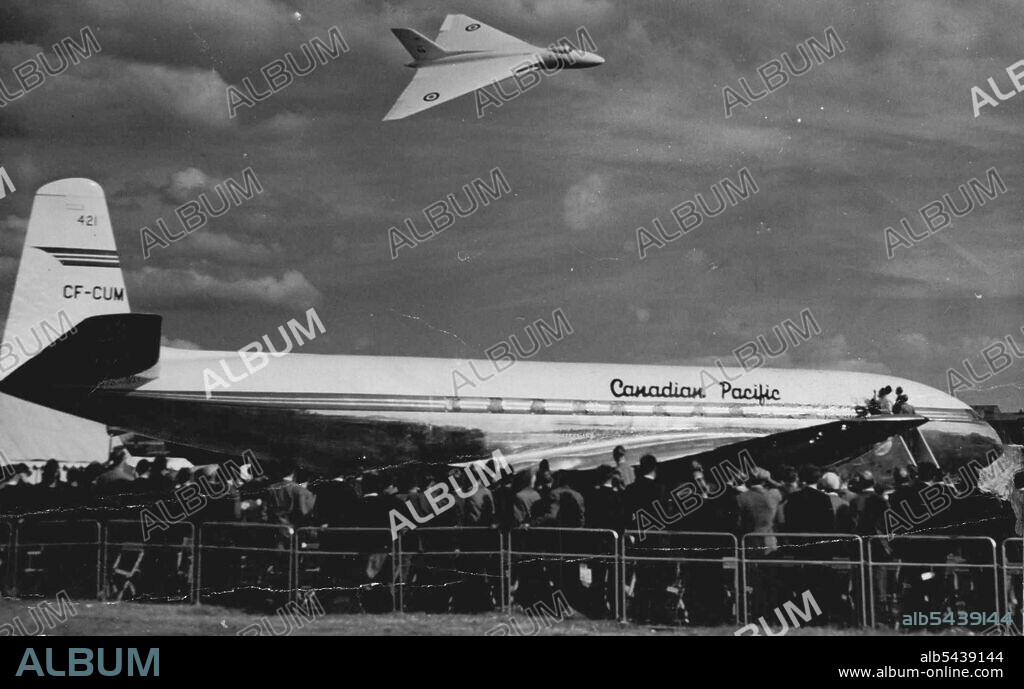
(136, 619)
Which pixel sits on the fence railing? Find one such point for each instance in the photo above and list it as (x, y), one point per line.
(665, 577)
(784, 565)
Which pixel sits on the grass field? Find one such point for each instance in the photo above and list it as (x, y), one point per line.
(137, 619)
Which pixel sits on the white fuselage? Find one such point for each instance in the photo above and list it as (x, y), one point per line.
(337, 411)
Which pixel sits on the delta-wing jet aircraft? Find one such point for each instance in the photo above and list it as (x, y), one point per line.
(468, 55)
(346, 413)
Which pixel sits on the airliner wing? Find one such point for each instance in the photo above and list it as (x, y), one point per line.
(825, 444)
(459, 32)
(822, 444)
(436, 84)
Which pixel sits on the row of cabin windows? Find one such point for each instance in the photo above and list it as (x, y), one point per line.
(498, 405)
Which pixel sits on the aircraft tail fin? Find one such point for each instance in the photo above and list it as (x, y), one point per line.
(418, 45)
(69, 271)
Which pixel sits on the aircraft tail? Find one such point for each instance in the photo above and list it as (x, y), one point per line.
(418, 45)
(69, 271)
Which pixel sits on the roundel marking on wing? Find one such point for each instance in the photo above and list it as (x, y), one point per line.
(472, 27)
(433, 95)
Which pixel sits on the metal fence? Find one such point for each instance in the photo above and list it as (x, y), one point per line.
(6, 552)
(779, 567)
(680, 577)
(542, 561)
(658, 577)
(1012, 552)
(933, 574)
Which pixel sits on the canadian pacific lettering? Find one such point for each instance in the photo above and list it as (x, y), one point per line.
(760, 393)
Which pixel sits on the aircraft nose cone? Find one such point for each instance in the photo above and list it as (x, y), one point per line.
(598, 60)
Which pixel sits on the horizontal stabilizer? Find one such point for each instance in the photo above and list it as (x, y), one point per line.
(99, 348)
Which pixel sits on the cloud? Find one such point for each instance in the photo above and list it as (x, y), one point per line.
(107, 95)
(12, 235)
(226, 249)
(585, 204)
(177, 288)
(178, 344)
(186, 184)
(834, 353)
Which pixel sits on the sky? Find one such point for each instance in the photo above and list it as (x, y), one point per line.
(838, 153)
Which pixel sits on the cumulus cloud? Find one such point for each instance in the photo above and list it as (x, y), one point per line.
(178, 287)
(834, 353)
(586, 204)
(185, 184)
(178, 344)
(12, 235)
(111, 94)
(224, 248)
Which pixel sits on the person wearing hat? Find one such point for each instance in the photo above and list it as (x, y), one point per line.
(867, 518)
(604, 511)
(625, 469)
(831, 484)
(650, 577)
(758, 506)
(867, 508)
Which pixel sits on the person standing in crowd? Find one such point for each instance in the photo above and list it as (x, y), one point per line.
(52, 494)
(867, 520)
(758, 506)
(626, 474)
(867, 509)
(117, 475)
(479, 506)
(789, 480)
(15, 492)
(809, 510)
(604, 511)
(183, 477)
(289, 503)
(644, 491)
(142, 470)
(831, 485)
(335, 502)
(456, 514)
(838, 582)
(650, 576)
(525, 497)
(559, 506)
(758, 509)
(374, 512)
(408, 482)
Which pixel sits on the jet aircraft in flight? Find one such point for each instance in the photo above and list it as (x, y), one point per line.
(468, 55)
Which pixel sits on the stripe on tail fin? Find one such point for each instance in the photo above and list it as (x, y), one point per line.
(69, 270)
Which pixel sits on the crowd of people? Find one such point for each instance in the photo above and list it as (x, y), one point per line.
(615, 496)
